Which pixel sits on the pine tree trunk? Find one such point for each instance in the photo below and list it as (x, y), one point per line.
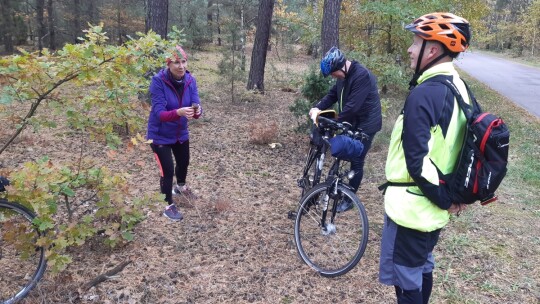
(218, 26)
(210, 19)
(330, 25)
(50, 21)
(40, 6)
(242, 41)
(260, 46)
(77, 30)
(157, 16)
(7, 25)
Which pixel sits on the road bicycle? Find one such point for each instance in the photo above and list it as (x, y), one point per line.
(22, 261)
(330, 242)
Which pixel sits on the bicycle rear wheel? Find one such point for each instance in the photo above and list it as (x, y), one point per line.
(335, 249)
(22, 262)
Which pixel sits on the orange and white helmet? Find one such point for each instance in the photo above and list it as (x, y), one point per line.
(450, 30)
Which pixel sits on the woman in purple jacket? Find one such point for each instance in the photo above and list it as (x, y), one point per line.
(175, 100)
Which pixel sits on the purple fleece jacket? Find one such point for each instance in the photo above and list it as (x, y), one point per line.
(165, 127)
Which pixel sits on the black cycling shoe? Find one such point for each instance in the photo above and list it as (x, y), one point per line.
(344, 205)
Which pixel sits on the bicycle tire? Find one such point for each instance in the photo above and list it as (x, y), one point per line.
(335, 253)
(22, 262)
(312, 173)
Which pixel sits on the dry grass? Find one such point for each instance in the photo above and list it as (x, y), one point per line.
(263, 132)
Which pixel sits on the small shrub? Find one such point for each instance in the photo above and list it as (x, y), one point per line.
(222, 205)
(263, 132)
(74, 203)
(314, 88)
(249, 96)
(300, 109)
(391, 76)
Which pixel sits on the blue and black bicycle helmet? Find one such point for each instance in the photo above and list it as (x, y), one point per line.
(332, 61)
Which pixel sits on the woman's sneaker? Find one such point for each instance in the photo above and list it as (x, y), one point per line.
(184, 191)
(172, 213)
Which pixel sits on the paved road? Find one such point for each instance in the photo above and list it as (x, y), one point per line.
(517, 82)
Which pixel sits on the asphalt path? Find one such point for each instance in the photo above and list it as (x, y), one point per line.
(518, 82)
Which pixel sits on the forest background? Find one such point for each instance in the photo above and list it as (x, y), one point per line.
(73, 79)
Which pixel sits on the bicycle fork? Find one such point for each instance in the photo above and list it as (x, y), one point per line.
(329, 228)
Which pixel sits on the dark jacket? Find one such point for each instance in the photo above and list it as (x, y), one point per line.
(165, 127)
(361, 105)
(426, 142)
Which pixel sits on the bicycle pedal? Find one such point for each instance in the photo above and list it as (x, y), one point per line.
(291, 215)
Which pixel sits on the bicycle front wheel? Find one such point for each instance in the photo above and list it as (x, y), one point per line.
(336, 248)
(22, 262)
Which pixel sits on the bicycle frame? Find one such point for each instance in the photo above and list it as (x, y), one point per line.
(317, 153)
(318, 157)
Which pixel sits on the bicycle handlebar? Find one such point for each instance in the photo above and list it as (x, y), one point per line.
(330, 123)
(345, 127)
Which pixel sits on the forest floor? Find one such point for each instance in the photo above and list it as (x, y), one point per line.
(236, 244)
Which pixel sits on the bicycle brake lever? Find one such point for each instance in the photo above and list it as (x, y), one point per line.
(347, 125)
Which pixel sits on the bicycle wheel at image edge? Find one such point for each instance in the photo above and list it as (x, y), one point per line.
(337, 249)
(22, 263)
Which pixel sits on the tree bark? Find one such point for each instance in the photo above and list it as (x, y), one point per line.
(40, 6)
(77, 30)
(260, 46)
(91, 13)
(218, 25)
(210, 19)
(242, 40)
(50, 21)
(157, 16)
(7, 25)
(330, 25)
(313, 50)
(119, 22)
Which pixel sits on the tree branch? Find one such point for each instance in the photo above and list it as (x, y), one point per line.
(105, 276)
(39, 99)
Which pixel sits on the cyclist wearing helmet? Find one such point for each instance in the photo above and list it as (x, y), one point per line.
(358, 101)
(424, 147)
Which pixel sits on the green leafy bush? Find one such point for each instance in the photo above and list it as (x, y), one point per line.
(314, 88)
(75, 202)
(78, 201)
(391, 77)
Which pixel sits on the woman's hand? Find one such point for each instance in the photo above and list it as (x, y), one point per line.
(187, 112)
(197, 108)
(313, 113)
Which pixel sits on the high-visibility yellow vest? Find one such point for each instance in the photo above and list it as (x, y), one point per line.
(407, 206)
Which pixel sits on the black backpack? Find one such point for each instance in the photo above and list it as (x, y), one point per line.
(481, 165)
